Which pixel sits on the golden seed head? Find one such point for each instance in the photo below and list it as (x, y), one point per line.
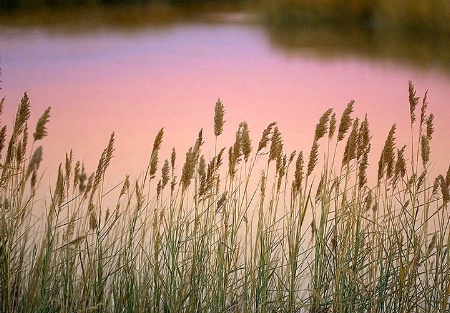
(430, 128)
(265, 137)
(298, 174)
(400, 165)
(332, 127)
(322, 126)
(387, 159)
(22, 116)
(313, 157)
(41, 129)
(246, 144)
(425, 150)
(165, 173)
(413, 100)
(351, 147)
(173, 158)
(219, 113)
(346, 121)
(276, 146)
(423, 109)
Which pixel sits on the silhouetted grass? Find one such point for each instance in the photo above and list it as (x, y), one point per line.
(194, 234)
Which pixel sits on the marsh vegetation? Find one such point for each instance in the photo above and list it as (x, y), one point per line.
(253, 228)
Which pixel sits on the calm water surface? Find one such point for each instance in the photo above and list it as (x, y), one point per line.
(168, 71)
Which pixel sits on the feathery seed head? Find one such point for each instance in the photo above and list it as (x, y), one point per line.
(23, 114)
(219, 113)
(298, 174)
(322, 126)
(202, 166)
(165, 173)
(445, 190)
(246, 144)
(425, 150)
(276, 146)
(291, 157)
(387, 158)
(423, 109)
(332, 127)
(36, 159)
(173, 159)
(430, 128)
(155, 152)
(413, 100)
(400, 165)
(263, 184)
(231, 162)
(158, 140)
(363, 139)
(2, 139)
(313, 157)
(351, 148)
(41, 129)
(362, 172)
(125, 186)
(346, 121)
(436, 184)
(265, 136)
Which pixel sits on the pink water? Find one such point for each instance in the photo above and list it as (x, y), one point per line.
(134, 82)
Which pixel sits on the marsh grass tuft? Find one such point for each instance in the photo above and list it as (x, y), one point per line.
(248, 236)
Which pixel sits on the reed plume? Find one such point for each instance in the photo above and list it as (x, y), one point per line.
(400, 165)
(219, 113)
(322, 126)
(173, 158)
(313, 157)
(351, 148)
(155, 151)
(387, 158)
(103, 164)
(2, 139)
(22, 116)
(265, 137)
(165, 173)
(246, 143)
(413, 100)
(425, 150)
(41, 129)
(332, 127)
(363, 150)
(298, 173)
(346, 121)
(191, 161)
(35, 160)
(430, 127)
(276, 145)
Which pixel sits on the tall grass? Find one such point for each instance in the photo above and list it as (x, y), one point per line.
(264, 231)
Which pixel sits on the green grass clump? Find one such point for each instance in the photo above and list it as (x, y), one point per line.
(264, 231)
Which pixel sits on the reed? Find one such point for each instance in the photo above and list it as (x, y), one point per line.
(252, 235)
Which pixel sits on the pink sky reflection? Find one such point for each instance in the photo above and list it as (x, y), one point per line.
(136, 84)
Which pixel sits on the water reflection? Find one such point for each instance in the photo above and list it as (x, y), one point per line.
(416, 50)
(134, 70)
(322, 40)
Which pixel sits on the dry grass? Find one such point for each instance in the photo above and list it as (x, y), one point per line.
(312, 237)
